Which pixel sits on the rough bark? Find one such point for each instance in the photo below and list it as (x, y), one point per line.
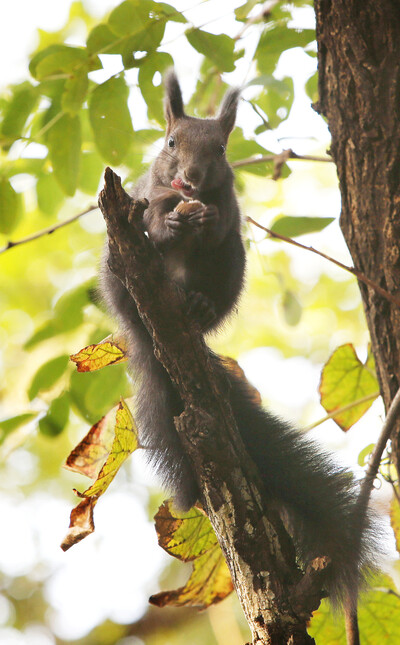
(359, 88)
(276, 597)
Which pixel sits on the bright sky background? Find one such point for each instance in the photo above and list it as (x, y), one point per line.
(77, 607)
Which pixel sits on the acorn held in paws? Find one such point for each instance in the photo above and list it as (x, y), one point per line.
(189, 207)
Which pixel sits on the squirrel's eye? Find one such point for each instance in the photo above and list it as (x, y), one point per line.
(221, 150)
(171, 142)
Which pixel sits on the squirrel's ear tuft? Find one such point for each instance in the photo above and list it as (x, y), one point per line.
(227, 111)
(173, 104)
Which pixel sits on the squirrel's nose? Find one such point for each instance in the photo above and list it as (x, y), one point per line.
(192, 175)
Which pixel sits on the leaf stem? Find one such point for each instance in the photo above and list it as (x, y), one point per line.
(345, 408)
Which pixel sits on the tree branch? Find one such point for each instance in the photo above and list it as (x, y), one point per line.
(46, 231)
(373, 464)
(276, 597)
(358, 274)
(280, 157)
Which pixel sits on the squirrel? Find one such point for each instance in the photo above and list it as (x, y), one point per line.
(194, 221)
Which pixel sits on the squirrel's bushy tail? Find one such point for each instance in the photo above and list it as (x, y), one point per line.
(319, 497)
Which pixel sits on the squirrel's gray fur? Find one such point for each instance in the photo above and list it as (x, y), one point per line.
(205, 255)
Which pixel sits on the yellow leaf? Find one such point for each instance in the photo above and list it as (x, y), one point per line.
(348, 386)
(124, 443)
(94, 357)
(190, 537)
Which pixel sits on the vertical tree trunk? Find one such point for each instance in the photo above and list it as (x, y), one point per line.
(359, 88)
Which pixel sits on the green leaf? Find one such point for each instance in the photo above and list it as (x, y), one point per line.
(210, 88)
(189, 537)
(11, 207)
(345, 381)
(102, 39)
(138, 18)
(94, 393)
(43, 333)
(274, 41)
(311, 87)
(7, 426)
(111, 120)
(291, 226)
(364, 454)
(49, 194)
(23, 101)
(242, 12)
(130, 17)
(170, 13)
(91, 170)
(64, 143)
(47, 375)
(276, 101)
(240, 148)
(62, 59)
(378, 618)
(217, 47)
(68, 313)
(292, 308)
(68, 310)
(75, 91)
(56, 418)
(152, 94)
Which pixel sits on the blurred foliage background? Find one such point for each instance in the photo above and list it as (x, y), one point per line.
(92, 97)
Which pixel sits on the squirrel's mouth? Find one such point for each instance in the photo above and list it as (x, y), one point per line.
(187, 189)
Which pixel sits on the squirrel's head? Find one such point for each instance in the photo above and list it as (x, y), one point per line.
(193, 158)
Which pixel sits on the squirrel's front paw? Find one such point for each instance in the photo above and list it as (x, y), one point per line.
(179, 220)
(205, 217)
(201, 309)
(176, 223)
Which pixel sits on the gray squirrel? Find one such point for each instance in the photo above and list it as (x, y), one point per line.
(204, 254)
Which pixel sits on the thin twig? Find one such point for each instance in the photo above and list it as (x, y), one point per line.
(358, 274)
(46, 231)
(290, 155)
(376, 457)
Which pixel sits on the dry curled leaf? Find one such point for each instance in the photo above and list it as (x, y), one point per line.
(89, 455)
(124, 443)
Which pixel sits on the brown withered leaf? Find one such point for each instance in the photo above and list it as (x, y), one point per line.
(81, 523)
(190, 537)
(234, 368)
(124, 443)
(94, 357)
(89, 455)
